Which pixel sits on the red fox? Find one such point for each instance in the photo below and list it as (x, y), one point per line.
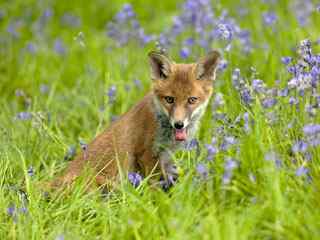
(143, 139)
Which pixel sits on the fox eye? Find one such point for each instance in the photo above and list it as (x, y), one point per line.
(169, 99)
(192, 100)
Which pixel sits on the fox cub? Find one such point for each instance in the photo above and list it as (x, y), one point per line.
(143, 139)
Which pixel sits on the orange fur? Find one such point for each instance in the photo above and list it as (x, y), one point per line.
(141, 138)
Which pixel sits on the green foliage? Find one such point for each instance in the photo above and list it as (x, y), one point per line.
(67, 97)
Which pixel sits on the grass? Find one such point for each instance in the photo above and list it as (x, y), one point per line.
(274, 204)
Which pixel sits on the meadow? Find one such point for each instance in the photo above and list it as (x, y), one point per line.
(69, 68)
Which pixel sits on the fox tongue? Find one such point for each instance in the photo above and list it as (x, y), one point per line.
(180, 134)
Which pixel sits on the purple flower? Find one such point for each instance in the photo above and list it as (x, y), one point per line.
(60, 237)
(189, 41)
(271, 156)
(222, 65)
(13, 29)
(236, 78)
(286, 60)
(125, 27)
(135, 179)
(11, 210)
(184, 52)
(30, 171)
(246, 122)
(303, 10)
(283, 92)
(269, 102)
(59, 47)
(226, 178)
(24, 116)
(300, 146)
(301, 171)
(230, 164)
(218, 101)
(137, 83)
(44, 88)
(293, 101)
(202, 170)
(112, 91)
(193, 144)
(246, 96)
(31, 48)
(269, 18)
(71, 20)
(228, 141)
(258, 85)
(311, 129)
(212, 151)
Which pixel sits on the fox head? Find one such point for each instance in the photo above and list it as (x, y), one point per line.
(182, 91)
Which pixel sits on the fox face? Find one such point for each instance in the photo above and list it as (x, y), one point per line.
(182, 91)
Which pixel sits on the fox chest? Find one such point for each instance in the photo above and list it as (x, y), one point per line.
(164, 140)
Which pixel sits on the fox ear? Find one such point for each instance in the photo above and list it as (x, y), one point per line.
(160, 65)
(206, 67)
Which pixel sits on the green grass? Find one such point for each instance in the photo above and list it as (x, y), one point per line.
(277, 205)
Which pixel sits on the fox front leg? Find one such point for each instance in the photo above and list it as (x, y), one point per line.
(169, 171)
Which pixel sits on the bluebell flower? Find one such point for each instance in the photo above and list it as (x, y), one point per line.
(112, 92)
(269, 102)
(227, 142)
(236, 78)
(193, 144)
(31, 48)
(59, 47)
(303, 10)
(293, 101)
(211, 151)
(30, 171)
(246, 122)
(269, 18)
(24, 116)
(11, 210)
(44, 88)
(70, 20)
(222, 65)
(230, 165)
(286, 60)
(283, 92)
(218, 101)
(202, 170)
(302, 171)
(137, 83)
(134, 178)
(246, 96)
(60, 237)
(184, 52)
(258, 85)
(311, 129)
(299, 147)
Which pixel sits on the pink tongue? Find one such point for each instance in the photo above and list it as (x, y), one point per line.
(180, 134)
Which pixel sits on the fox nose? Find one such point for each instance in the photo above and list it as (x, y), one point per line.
(178, 125)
